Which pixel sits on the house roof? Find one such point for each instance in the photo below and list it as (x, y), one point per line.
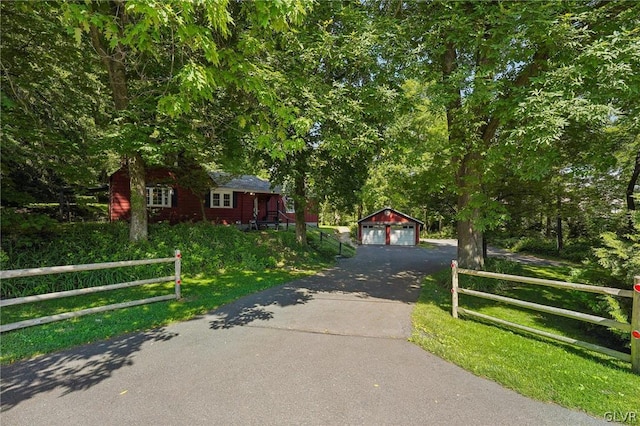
(393, 210)
(244, 183)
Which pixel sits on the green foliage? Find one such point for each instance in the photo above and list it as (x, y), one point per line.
(328, 245)
(500, 266)
(538, 107)
(206, 249)
(621, 255)
(16, 224)
(52, 103)
(536, 246)
(574, 251)
(412, 171)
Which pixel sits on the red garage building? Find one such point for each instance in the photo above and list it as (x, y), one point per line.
(389, 227)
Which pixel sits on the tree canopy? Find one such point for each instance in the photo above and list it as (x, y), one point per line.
(492, 115)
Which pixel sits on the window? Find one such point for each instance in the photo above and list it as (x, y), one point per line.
(288, 204)
(159, 196)
(221, 199)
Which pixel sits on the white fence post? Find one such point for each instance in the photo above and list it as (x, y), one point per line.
(454, 288)
(635, 327)
(177, 274)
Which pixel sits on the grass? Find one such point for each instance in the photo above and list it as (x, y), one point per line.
(328, 245)
(536, 367)
(226, 265)
(200, 295)
(219, 265)
(426, 245)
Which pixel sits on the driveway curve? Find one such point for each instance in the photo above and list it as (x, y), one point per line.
(328, 349)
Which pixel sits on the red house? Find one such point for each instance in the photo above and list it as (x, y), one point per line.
(232, 200)
(389, 227)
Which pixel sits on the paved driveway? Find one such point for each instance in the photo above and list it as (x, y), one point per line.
(330, 349)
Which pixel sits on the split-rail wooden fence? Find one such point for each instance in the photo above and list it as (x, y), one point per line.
(633, 328)
(18, 273)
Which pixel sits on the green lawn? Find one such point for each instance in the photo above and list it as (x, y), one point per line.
(200, 295)
(328, 245)
(536, 367)
(219, 265)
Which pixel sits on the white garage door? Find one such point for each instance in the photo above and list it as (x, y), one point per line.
(403, 235)
(373, 234)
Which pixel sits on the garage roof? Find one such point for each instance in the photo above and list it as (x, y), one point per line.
(393, 210)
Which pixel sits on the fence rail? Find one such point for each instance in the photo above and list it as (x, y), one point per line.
(633, 327)
(332, 239)
(20, 273)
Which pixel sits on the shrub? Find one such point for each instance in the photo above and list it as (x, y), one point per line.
(501, 266)
(536, 245)
(15, 223)
(574, 251)
(620, 256)
(206, 249)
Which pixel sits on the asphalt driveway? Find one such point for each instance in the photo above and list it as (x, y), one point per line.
(329, 349)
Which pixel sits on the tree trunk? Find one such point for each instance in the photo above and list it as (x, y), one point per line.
(559, 233)
(114, 60)
(631, 203)
(300, 204)
(470, 239)
(467, 176)
(203, 210)
(138, 223)
(485, 249)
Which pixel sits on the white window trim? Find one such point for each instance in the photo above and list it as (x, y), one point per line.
(289, 205)
(221, 200)
(165, 197)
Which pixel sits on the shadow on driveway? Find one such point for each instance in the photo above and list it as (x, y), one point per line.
(392, 274)
(387, 273)
(73, 370)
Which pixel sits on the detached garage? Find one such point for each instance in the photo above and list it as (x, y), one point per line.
(389, 227)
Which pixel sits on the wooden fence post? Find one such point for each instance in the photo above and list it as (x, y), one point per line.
(178, 278)
(635, 327)
(454, 288)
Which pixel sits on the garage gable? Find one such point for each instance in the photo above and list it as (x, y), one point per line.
(389, 227)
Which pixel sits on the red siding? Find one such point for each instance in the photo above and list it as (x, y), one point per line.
(188, 206)
(389, 217)
(393, 217)
(119, 195)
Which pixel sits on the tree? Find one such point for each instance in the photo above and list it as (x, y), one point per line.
(192, 51)
(330, 87)
(52, 103)
(500, 72)
(409, 171)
